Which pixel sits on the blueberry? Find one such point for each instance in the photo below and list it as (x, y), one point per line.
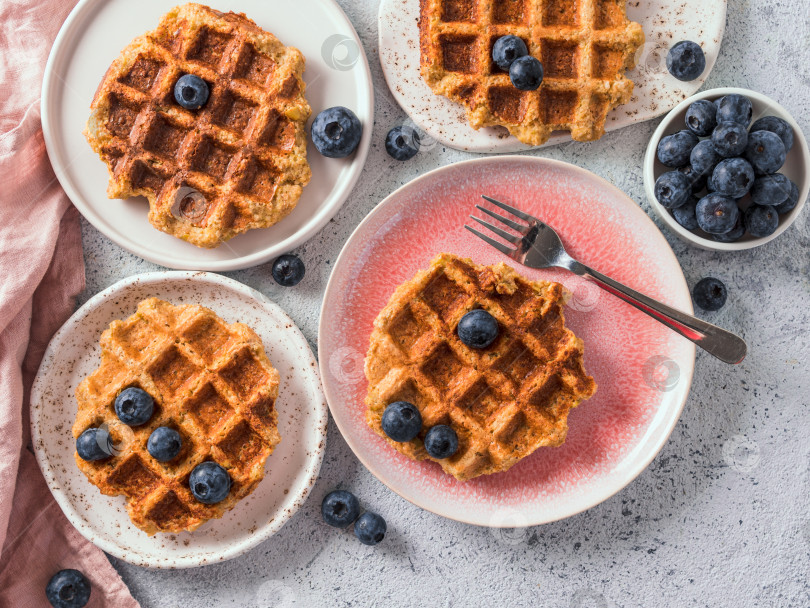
(164, 443)
(672, 189)
(701, 117)
(710, 294)
(730, 139)
(765, 152)
(761, 220)
(733, 177)
(674, 150)
(340, 508)
(776, 125)
(401, 421)
(506, 49)
(698, 181)
(710, 183)
(134, 406)
(772, 190)
(685, 214)
(734, 108)
(791, 202)
(369, 528)
(336, 132)
(209, 483)
(478, 328)
(704, 158)
(734, 234)
(288, 270)
(402, 143)
(68, 589)
(94, 444)
(441, 441)
(686, 61)
(191, 92)
(526, 73)
(716, 214)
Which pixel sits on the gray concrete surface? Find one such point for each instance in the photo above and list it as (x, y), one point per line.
(720, 517)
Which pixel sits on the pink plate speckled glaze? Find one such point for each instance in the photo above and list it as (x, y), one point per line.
(642, 369)
(290, 471)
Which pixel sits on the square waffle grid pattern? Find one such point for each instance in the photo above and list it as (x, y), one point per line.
(240, 161)
(210, 381)
(504, 401)
(584, 46)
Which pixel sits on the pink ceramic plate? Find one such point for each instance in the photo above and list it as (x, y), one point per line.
(642, 369)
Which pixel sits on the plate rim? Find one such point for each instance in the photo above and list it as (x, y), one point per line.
(270, 528)
(510, 145)
(67, 33)
(599, 498)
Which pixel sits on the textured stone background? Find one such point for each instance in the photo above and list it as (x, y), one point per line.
(720, 518)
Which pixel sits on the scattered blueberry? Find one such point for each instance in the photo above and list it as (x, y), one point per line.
(526, 73)
(340, 508)
(730, 139)
(765, 152)
(704, 158)
(734, 234)
(672, 189)
(401, 421)
(733, 177)
(685, 214)
(191, 92)
(441, 441)
(369, 528)
(164, 443)
(698, 181)
(686, 61)
(777, 125)
(506, 49)
(402, 143)
(701, 117)
(674, 150)
(710, 294)
(68, 589)
(94, 444)
(209, 482)
(134, 406)
(791, 202)
(734, 108)
(478, 328)
(716, 214)
(336, 132)
(288, 270)
(761, 220)
(771, 190)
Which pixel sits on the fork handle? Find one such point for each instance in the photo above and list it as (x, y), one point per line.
(714, 340)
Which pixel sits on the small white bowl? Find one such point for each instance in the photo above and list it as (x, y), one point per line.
(796, 165)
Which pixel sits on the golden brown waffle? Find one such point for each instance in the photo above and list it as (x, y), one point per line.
(212, 382)
(504, 401)
(584, 45)
(238, 163)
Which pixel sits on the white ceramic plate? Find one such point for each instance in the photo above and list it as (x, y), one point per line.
(92, 37)
(664, 22)
(290, 471)
(795, 167)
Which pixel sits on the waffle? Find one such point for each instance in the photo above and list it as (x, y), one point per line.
(584, 45)
(504, 401)
(238, 163)
(212, 382)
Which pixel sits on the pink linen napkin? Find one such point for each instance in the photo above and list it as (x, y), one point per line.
(41, 272)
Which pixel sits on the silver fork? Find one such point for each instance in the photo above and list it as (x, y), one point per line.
(538, 246)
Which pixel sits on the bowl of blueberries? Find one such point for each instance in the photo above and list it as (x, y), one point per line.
(726, 169)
